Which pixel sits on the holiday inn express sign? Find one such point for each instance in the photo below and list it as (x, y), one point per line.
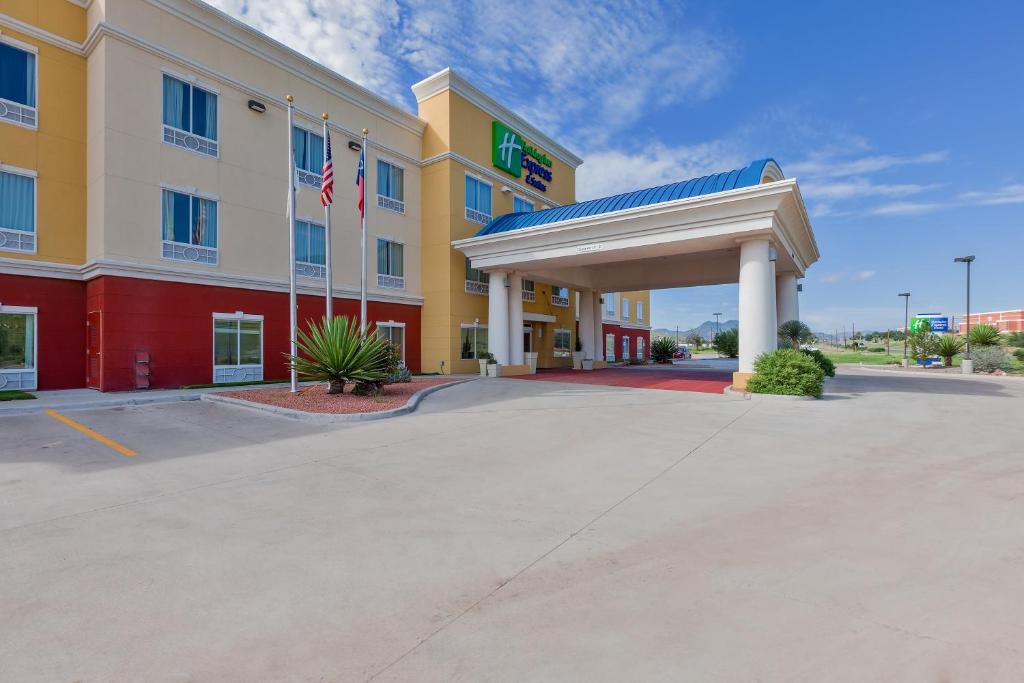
(512, 153)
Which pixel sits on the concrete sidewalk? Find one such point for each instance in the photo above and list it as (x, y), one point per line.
(91, 399)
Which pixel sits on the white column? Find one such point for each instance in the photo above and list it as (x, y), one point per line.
(497, 317)
(598, 328)
(757, 303)
(515, 319)
(787, 301)
(586, 313)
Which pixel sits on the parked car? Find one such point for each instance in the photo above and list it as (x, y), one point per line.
(682, 352)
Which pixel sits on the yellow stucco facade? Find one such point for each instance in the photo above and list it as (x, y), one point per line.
(55, 149)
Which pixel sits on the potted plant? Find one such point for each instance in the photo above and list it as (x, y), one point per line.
(493, 369)
(588, 363)
(577, 355)
(484, 359)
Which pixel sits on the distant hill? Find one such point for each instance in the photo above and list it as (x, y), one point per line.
(706, 330)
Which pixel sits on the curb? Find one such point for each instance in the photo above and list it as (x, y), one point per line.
(89, 405)
(729, 392)
(334, 418)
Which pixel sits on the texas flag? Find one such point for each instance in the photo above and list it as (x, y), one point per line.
(361, 182)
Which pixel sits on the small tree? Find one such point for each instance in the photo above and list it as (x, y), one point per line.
(662, 350)
(795, 333)
(922, 344)
(947, 346)
(333, 351)
(727, 343)
(984, 335)
(695, 341)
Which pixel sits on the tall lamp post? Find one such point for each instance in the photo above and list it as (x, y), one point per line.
(718, 324)
(906, 324)
(967, 365)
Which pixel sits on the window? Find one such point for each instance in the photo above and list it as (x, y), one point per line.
(560, 296)
(640, 347)
(390, 264)
(310, 250)
(529, 290)
(17, 84)
(17, 347)
(563, 343)
(478, 200)
(474, 341)
(625, 348)
(237, 347)
(17, 211)
(395, 334)
(308, 148)
(477, 281)
(190, 117)
(189, 228)
(609, 304)
(390, 187)
(625, 309)
(639, 311)
(520, 205)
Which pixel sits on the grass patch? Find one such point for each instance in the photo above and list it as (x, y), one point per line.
(233, 384)
(15, 395)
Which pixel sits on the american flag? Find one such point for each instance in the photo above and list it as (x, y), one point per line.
(361, 181)
(327, 187)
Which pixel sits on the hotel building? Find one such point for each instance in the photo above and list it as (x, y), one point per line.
(143, 182)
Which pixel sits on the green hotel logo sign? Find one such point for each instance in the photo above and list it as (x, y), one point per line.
(512, 153)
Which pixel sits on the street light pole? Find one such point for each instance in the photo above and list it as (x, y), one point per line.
(967, 364)
(906, 324)
(718, 324)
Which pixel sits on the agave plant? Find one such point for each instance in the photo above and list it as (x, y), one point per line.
(795, 333)
(984, 335)
(332, 351)
(947, 346)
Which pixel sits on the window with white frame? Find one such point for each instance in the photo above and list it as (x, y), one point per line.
(639, 311)
(390, 264)
(17, 210)
(390, 186)
(563, 343)
(474, 341)
(189, 228)
(529, 290)
(520, 205)
(17, 347)
(625, 348)
(394, 333)
(609, 304)
(625, 309)
(237, 347)
(308, 148)
(18, 83)
(478, 200)
(560, 296)
(640, 347)
(310, 250)
(190, 116)
(477, 281)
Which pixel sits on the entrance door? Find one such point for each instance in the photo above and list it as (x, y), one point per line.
(625, 348)
(609, 347)
(527, 339)
(93, 350)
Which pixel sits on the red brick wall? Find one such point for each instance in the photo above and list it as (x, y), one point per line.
(620, 332)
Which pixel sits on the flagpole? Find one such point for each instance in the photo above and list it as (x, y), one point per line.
(362, 248)
(327, 239)
(292, 297)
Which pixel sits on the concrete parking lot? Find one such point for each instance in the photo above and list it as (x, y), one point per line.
(525, 531)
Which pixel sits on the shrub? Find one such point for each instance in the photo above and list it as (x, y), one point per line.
(787, 372)
(662, 350)
(334, 352)
(823, 362)
(1015, 339)
(922, 344)
(948, 346)
(991, 358)
(984, 335)
(728, 343)
(794, 333)
(1019, 355)
(876, 349)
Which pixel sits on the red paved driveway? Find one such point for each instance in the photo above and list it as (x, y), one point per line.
(671, 379)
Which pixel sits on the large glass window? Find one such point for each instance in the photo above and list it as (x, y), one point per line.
(520, 205)
(190, 108)
(17, 76)
(474, 341)
(609, 304)
(308, 148)
(639, 311)
(310, 243)
(17, 341)
(394, 334)
(474, 275)
(189, 221)
(625, 309)
(390, 264)
(390, 181)
(478, 200)
(237, 342)
(17, 211)
(563, 343)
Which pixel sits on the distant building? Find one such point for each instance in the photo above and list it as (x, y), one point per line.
(1004, 321)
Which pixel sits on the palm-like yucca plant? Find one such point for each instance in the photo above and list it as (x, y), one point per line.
(947, 346)
(332, 351)
(795, 333)
(984, 335)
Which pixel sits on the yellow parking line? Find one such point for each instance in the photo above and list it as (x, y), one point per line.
(127, 452)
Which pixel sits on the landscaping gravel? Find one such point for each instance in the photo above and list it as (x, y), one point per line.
(315, 399)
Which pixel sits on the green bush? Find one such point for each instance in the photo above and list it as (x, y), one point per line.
(728, 343)
(984, 335)
(1019, 355)
(877, 349)
(787, 372)
(1015, 339)
(823, 361)
(662, 349)
(991, 358)
(333, 351)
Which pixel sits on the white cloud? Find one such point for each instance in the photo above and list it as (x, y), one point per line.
(826, 165)
(864, 275)
(833, 278)
(859, 187)
(1008, 194)
(909, 208)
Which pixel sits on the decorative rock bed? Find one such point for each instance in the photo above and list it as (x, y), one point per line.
(315, 399)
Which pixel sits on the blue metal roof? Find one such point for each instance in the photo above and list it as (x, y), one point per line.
(709, 184)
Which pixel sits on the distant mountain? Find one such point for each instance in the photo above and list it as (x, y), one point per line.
(706, 330)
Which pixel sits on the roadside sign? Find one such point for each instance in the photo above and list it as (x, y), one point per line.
(933, 322)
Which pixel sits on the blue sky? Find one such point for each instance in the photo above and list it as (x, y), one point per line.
(902, 121)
